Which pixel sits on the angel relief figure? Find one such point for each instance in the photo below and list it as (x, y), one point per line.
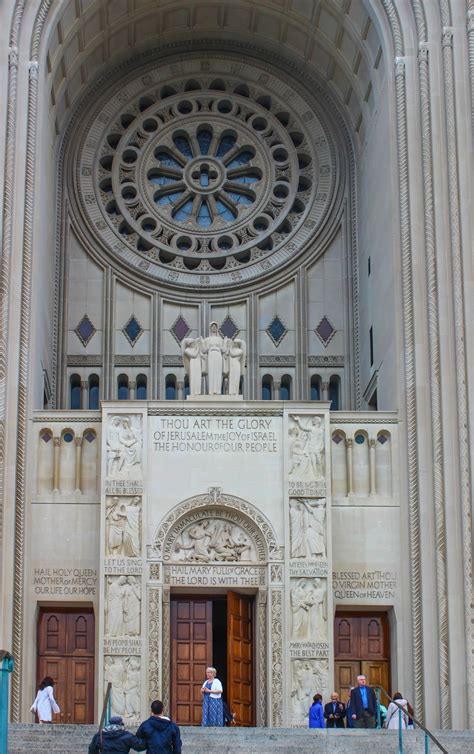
(214, 357)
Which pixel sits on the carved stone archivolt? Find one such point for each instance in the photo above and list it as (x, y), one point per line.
(214, 528)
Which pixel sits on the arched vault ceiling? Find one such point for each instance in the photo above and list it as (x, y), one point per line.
(336, 39)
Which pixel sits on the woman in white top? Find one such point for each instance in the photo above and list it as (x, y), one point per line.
(212, 707)
(392, 721)
(45, 703)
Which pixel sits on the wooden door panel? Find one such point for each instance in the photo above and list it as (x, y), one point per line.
(66, 653)
(346, 637)
(378, 673)
(374, 637)
(191, 653)
(345, 677)
(240, 657)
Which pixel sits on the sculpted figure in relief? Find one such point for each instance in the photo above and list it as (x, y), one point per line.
(122, 607)
(306, 449)
(307, 600)
(124, 448)
(307, 529)
(124, 675)
(218, 541)
(306, 677)
(216, 357)
(123, 527)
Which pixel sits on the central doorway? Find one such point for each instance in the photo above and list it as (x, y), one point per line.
(218, 631)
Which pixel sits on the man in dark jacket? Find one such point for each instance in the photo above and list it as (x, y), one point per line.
(114, 739)
(160, 733)
(363, 704)
(334, 712)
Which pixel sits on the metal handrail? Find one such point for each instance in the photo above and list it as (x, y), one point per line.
(105, 716)
(6, 668)
(412, 717)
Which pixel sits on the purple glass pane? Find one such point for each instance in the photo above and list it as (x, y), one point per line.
(325, 330)
(180, 328)
(382, 439)
(90, 436)
(228, 328)
(337, 439)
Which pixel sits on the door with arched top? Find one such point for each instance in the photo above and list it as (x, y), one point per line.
(66, 639)
(361, 646)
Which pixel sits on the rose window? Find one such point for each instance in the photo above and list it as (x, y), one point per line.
(205, 180)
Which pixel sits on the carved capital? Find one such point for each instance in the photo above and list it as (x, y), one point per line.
(470, 21)
(399, 67)
(13, 57)
(33, 69)
(78, 442)
(349, 442)
(423, 53)
(372, 443)
(56, 442)
(324, 385)
(447, 37)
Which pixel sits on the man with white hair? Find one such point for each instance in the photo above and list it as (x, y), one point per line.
(363, 704)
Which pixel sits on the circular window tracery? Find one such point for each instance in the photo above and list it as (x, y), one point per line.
(206, 181)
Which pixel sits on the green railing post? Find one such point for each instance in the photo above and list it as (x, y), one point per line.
(400, 732)
(427, 744)
(377, 692)
(109, 710)
(5, 670)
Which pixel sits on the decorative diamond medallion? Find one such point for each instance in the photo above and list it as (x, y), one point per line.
(85, 330)
(276, 330)
(89, 436)
(337, 439)
(180, 329)
(132, 330)
(228, 328)
(325, 331)
(382, 439)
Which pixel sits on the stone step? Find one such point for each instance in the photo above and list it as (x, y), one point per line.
(72, 739)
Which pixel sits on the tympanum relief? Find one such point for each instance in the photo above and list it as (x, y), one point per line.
(123, 527)
(122, 606)
(306, 448)
(124, 446)
(211, 540)
(307, 528)
(308, 600)
(124, 675)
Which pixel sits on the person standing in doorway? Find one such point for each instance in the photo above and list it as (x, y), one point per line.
(45, 703)
(334, 712)
(212, 707)
(160, 733)
(363, 704)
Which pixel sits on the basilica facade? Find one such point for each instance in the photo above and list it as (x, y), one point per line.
(235, 338)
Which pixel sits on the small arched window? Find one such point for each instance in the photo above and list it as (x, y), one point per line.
(75, 392)
(187, 389)
(285, 388)
(93, 392)
(315, 387)
(335, 392)
(123, 392)
(267, 383)
(141, 387)
(170, 387)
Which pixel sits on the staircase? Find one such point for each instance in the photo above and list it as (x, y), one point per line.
(72, 739)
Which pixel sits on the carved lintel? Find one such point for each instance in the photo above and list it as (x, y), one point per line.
(33, 69)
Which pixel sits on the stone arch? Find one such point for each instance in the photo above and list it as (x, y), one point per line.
(226, 508)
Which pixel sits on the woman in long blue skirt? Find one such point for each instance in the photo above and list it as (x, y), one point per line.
(212, 707)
